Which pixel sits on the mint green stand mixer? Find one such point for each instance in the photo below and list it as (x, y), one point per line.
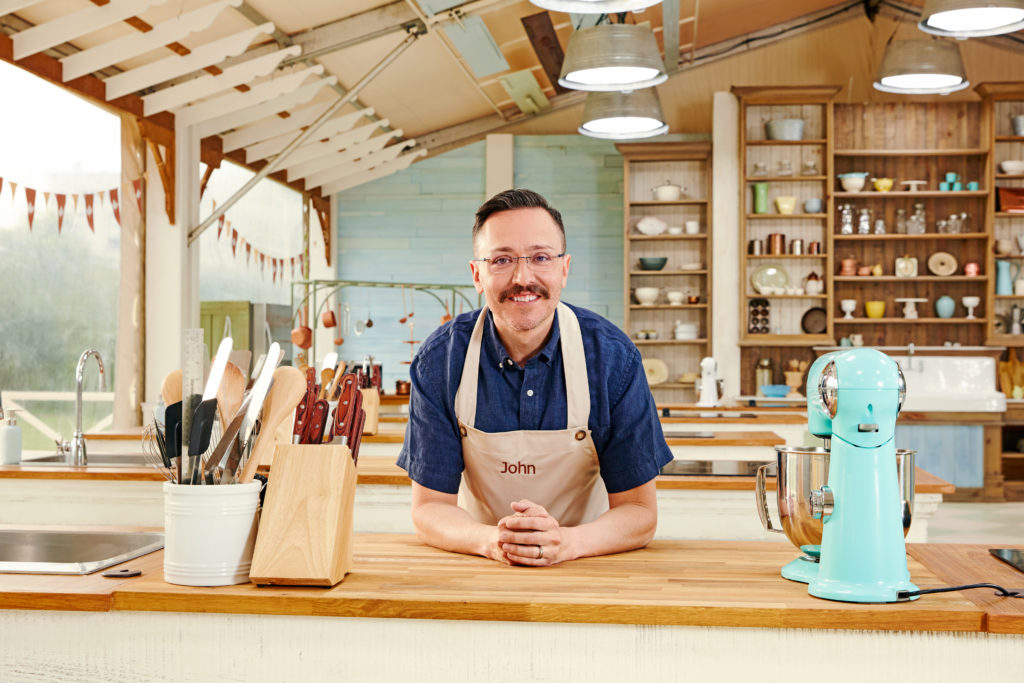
(863, 554)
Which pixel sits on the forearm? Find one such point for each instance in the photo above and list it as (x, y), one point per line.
(626, 526)
(449, 527)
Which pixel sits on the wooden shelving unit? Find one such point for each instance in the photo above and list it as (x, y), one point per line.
(648, 165)
(783, 338)
(865, 140)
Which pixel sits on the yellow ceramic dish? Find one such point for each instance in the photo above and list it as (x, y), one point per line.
(882, 184)
(874, 309)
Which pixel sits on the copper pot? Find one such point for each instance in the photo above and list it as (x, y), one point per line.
(302, 336)
(402, 387)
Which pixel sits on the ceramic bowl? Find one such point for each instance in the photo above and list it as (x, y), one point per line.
(785, 205)
(675, 297)
(852, 183)
(774, 390)
(882, 184)
(784, 129)
(651, 225)
(646, 295)
(1012, 166)
(653, 262)
(874, 309)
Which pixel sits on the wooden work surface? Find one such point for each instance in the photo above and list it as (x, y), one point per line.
(959, 564)
(780, 418)
(104, 473)
(696, 583)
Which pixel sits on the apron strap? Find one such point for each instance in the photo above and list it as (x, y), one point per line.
(574, 361)
(465, 397)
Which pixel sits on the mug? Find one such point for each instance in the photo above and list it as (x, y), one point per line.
(958, 186)
(857, 339)
(952, 177)
(972, 269)
(845, 341)
(692, 227)
(755, 247)
(973, 186)
(944, 187)
(814, 248)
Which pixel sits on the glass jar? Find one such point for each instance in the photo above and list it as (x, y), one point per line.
(901, 221)
(953, 225)
(917, 225)
(784, 168)
(864, 222)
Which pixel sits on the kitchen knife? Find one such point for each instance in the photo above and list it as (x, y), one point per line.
(305, 408)
(344, 412)
(256, 398)
(356, 436)
(317, 422)
(230, 433)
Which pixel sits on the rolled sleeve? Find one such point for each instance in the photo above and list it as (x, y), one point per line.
(635, 449)
(432, 450)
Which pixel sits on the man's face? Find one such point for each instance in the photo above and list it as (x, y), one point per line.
(525, 297)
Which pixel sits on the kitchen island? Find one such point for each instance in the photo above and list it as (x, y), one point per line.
(677, 609)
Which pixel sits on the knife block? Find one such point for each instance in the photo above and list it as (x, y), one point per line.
(305, 532)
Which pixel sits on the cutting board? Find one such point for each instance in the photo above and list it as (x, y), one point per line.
(305, 533)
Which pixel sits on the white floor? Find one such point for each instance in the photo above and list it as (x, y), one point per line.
(993, 523)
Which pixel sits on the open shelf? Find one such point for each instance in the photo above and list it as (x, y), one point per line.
(786, 340)
(666, 236)
(919, 278)
(676, 202)
(787, 296)
(908, 321)
(790, 256)
(952, 152)
(784, 143)
(668, 272)
(784, 178)
(665, 307)
(789, 216)
(668, 342)
(924, 236)
(901, 194)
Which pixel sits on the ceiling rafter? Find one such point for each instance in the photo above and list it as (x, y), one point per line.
(341, 135)
(69, 26)
(381, 171)
(362, 150)
(275, 105)
(240, 101)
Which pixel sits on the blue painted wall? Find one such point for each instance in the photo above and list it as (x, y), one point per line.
(416, 225)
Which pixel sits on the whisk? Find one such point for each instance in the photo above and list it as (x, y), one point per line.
(153, 448)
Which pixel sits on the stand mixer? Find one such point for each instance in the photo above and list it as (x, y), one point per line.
(804, 477)
(707, 386)
(863, 553)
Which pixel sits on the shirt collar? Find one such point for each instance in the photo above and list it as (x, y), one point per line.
(498, 349)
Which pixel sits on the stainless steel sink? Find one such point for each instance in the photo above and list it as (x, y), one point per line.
(96, 460)
(25, 551)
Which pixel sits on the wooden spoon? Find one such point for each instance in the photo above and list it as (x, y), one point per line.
(170, 388)
(230, 393)
(287, 390)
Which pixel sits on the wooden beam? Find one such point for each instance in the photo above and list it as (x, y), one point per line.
(544, 40)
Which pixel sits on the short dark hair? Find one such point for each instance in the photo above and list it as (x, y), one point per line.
(516, 199)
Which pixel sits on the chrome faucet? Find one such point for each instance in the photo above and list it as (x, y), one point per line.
(76, 453)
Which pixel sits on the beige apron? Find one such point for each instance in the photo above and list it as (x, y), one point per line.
(558, 468)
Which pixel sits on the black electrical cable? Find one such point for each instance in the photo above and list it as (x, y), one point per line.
(1000, 591)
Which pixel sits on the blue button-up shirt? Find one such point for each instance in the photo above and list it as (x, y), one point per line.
(623, 419)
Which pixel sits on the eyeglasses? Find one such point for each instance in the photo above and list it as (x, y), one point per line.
(539, 262)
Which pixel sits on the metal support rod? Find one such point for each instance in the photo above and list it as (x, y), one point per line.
(194, 234)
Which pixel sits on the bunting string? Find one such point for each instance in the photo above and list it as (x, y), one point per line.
(229, 236)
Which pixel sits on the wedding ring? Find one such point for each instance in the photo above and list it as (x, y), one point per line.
(540, 552)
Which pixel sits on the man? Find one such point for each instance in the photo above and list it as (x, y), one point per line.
(534, 415)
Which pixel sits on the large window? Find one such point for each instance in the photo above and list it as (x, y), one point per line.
(58, 279)
(267, 226)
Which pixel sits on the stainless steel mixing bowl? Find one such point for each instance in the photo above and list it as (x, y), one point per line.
(802, 470)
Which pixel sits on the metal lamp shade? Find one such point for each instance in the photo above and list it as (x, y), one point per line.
(612, 57)
(921, 67)
(972, 18)
(595, 6)
(623, 115)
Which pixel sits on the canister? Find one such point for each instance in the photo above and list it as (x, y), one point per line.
(755, 247)
(796, 247)
(776, 243)
(814, 248)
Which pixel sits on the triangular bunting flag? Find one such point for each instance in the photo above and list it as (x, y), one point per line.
(137, 186)
(46, 200)
(220, 225)
(1, 185)
(248, 252)
(61, 198)
(14, 190)
(115, 205)
(234, 241)
(292, 262)
(30, 198)
(74, 199)
(89, 212)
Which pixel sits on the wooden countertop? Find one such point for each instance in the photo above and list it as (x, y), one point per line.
(745, 438)
(694, 583)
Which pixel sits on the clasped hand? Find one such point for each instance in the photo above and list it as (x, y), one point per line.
(530, 536)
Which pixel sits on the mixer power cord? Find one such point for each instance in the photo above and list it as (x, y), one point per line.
(1000, 591)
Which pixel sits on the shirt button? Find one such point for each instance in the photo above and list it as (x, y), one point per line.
(529, 392)
(510, 362)
(580, 435)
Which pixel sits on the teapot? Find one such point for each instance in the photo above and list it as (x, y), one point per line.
(669, 192)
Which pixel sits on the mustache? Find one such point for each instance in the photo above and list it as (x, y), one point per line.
(516, 290)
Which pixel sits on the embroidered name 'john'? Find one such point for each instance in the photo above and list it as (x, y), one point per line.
(517, 468)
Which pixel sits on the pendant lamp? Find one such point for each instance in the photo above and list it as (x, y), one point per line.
(623, 115)
(612, 57)
(921, 67)
(972, 18)
(595, 6)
